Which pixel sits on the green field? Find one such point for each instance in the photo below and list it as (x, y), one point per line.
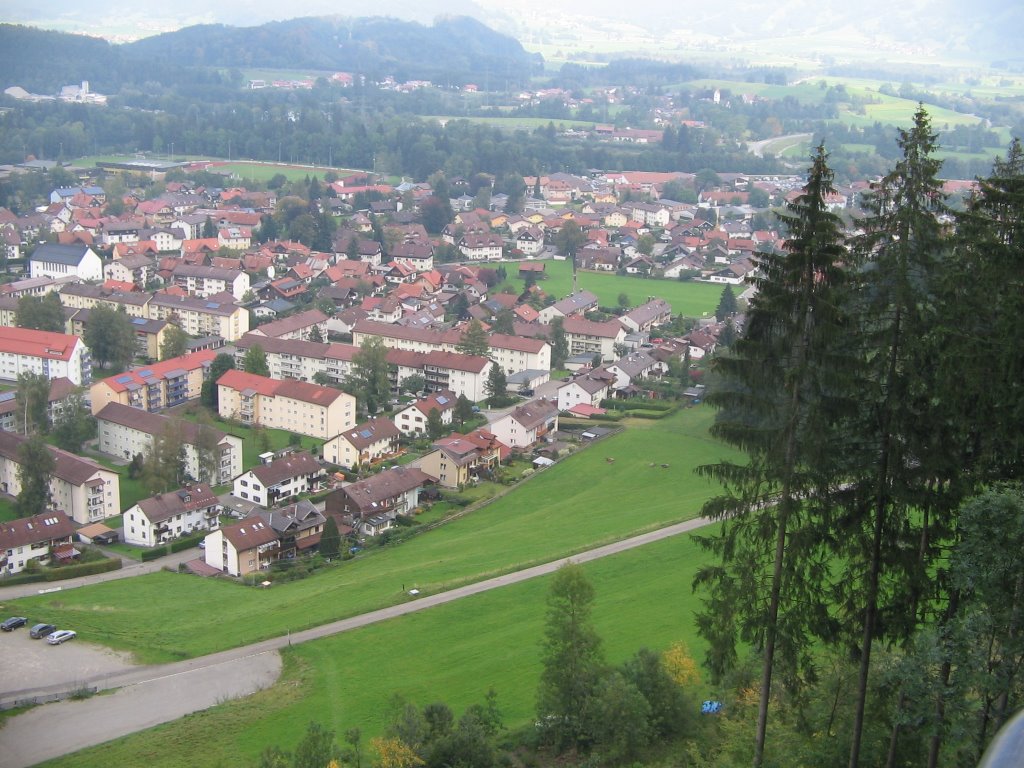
(580, 503)
(452, 653)
(687, 298)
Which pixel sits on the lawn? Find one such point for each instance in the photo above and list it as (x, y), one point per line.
(263, 172)
(687, 298)
(251, 448)
(580, 503)
(453, 653)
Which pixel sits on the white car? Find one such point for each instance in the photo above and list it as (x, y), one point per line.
(60, 636)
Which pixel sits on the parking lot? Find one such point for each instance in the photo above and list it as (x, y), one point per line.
(26, 663)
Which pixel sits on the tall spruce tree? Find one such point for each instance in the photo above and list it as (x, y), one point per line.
(776, 403)
(902, 485)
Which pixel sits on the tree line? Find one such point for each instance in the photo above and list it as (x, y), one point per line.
(875, 394)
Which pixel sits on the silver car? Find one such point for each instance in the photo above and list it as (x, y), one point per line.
(60, 636)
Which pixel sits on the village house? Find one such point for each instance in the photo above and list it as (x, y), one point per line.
(298, 526)
(164, 517)
(370, 506)
(460, 459)
(587, 337)
(246, 547)
(412, 419)
(12, 412)
(279, 479)
(526, 424)
(203, 281)
(443, 371)
(364, 445)
(646, 316)
(34, 539)
(574, 305)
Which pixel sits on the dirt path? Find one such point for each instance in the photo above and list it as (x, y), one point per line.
(158, 694)
(757, 148)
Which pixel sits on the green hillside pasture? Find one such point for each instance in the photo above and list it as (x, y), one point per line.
(687, 298)
(581, 502)
(452, 653)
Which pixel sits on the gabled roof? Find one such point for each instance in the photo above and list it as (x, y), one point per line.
(33, 530)
(44, 344)
(291, 465)
(146, 374)
(71, 255)
(291, 324)
(249, 533)
(370, 432)
(533, 414)
(376, 489)
(164, 506)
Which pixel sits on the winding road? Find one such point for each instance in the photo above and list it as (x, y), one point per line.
(151, 695)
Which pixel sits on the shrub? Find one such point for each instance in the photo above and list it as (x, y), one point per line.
(153, 554)
(186, 542)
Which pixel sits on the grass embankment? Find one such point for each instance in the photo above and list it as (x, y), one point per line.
(687, 298)
(452, 653)
(580, 503)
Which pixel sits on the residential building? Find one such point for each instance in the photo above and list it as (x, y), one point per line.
(136, 268)
(587, 337)
(279, 480)
(646, 316)
(443, 371)
(298, 526)
(162, 518)
(33, 539)
(203, 281)
(371, 505)
(586, 388)
(633, 368)
(295, 358)
(216, 315)
(126, 432)
(12, 416)
(412, 419)
(156, 386)
(246, 547)
(574, 305)
(85, 490)
(460, 459)
(365, 444)
(81, 261)
(53, 355)
(297, 326)
(526, 424)
(297, 406)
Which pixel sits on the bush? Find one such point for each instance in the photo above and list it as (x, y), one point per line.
(457, 499)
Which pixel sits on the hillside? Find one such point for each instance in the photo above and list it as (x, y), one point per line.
(454, 49)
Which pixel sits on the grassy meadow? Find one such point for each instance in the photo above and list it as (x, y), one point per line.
(452, 653)
(582, 502)
(687, 298)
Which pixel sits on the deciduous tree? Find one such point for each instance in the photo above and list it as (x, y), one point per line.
(41, 313)
(255, 361)
(35, 469)
(175, 343)
(475, 340)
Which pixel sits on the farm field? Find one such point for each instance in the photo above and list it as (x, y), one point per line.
(453, 653)
(582, 502)
(687, 298)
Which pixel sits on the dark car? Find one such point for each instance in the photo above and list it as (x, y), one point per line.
(13, 623)
(41, 630)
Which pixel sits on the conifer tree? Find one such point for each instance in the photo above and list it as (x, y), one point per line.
(775, 403)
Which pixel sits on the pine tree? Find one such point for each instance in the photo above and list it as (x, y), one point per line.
(894, 450)
(774, 402)
(496, 386)
(559, 344)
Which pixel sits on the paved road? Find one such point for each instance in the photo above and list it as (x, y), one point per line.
(159, 694)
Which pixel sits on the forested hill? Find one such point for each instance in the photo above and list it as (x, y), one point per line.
(454, 50)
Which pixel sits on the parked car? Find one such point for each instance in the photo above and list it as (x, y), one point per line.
(13, 623)
(41, 630)
(60, 636)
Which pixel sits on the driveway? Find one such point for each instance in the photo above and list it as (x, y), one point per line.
(159, 694)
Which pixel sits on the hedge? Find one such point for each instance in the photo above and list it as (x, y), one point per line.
(153, 554)
(186, 542)
(637, 405)
(82, 569)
